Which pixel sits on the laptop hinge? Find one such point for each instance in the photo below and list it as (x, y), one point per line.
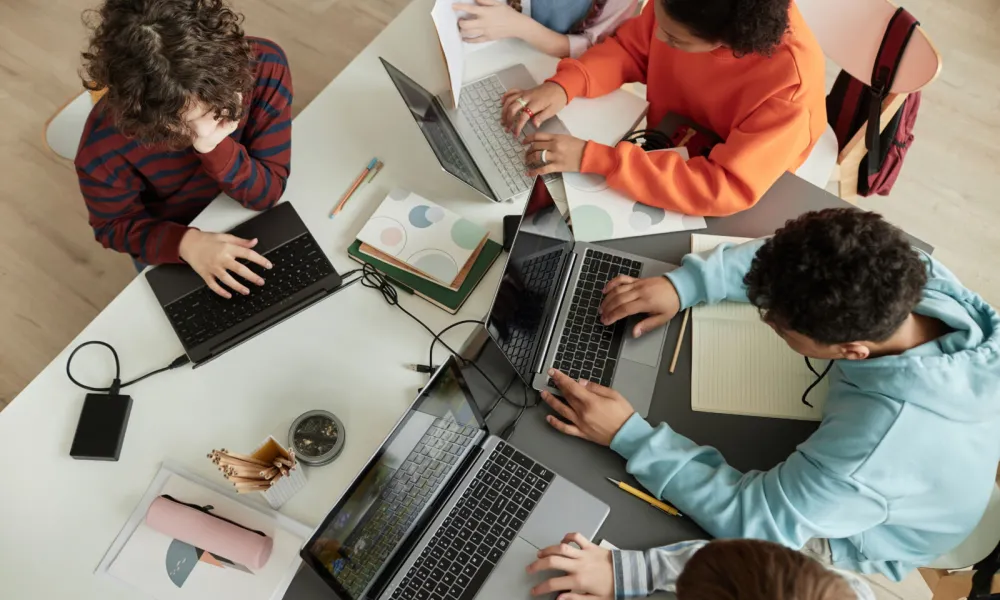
(561, 297)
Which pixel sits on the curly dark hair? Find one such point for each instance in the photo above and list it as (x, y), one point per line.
(758, 570)
(744, 26)
(155, 57)
(837, 275)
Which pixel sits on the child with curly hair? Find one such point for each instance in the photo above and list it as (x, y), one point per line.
(192, 108)
(560, 28)
(748, 70)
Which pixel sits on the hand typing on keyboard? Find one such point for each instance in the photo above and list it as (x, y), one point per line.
(214, 256)
(625, 296)
(553, 153)
(538, 104)
(591, 411)
(587, 568)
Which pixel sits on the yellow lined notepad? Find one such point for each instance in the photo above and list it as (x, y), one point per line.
(740, 366)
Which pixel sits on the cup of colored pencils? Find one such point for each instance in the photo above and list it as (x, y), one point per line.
(270, 469)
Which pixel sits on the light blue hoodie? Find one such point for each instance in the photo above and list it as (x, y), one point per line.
(902, 465)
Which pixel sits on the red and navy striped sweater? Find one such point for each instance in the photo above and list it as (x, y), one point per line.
(142, 197)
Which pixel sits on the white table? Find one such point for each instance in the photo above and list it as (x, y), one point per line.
(344, 355)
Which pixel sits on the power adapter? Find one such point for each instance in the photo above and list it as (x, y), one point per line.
(100, 432)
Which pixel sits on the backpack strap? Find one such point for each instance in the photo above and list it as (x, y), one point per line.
(890, 52)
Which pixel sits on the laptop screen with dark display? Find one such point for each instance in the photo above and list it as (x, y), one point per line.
(527, 298)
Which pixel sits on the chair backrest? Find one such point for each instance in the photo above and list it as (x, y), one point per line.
(65, 128)
(850, 33)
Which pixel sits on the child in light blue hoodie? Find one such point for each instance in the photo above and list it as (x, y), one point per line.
(902, 465)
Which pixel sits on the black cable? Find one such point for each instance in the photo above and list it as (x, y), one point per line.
(489, 411)
(371, 278)
(117, 384)
(509, 429)
(819, 378)
(649, 139)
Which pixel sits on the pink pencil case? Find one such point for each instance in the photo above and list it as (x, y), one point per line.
(195, 525)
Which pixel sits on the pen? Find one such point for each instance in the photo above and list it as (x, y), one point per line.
(354, 186)
(374, 172)
(670, 510)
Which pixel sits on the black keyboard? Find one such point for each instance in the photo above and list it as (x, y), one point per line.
(477, 532)
(401, 501)
(588, 349)
(539, 275)
(202, 314)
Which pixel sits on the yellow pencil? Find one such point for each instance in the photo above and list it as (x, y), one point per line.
(670, 510)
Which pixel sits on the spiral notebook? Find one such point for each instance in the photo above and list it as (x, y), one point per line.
(740, 366)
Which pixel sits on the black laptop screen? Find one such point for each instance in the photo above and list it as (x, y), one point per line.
(398, 486)
(526, 301)
(440, 133)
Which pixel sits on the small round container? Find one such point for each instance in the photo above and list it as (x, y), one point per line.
(317, 437)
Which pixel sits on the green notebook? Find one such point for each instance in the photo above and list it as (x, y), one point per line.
(437, 295)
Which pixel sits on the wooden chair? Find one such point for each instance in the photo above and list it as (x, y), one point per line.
(850, 33)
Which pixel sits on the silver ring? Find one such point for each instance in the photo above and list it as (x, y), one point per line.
(522, 102)
(542, 157)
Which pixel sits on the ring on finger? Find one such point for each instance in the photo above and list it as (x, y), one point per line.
(529, 112)
(541, 157)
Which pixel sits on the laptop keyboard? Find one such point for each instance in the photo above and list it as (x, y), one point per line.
(539, 275)
(481, 106)
(477, 532)
(401, 501)
(202, 314)
(587, 349)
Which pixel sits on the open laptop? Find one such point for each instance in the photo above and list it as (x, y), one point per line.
(445, 510)
(546, 311)
(470, 143)
(208, 324)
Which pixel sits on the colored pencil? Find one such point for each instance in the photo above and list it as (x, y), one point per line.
(354, 186)
(670, 510)
(680, 340)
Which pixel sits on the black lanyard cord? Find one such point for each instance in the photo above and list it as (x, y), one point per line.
(819, 378)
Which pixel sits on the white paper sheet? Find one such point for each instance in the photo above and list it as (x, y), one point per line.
(600, 213)
(740, 366)
(446, 22)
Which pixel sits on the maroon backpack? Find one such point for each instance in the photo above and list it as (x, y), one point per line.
(852, 104)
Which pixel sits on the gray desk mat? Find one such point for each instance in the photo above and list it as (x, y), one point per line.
(746, 442)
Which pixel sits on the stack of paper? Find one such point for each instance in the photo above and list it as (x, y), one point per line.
(418, 235)
(426, 248)
(600, 213)
(740, 366)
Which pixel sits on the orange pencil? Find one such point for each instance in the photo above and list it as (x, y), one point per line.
(354, 186)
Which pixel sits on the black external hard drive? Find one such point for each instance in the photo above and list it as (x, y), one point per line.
(101, 430)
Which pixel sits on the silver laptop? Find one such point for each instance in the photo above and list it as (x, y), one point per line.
(445, 510)
(546, 311)
(470, 143)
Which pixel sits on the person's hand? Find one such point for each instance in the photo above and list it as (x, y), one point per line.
(588, 569)
(489, 20)
(543, 102)
(625, 296)
(213, 256)
(563, 153)
(591, 411)
(209, 134)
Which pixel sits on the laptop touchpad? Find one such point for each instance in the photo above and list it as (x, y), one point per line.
(509, 580)
(646, 348)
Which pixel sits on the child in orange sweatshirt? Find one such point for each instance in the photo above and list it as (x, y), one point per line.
(749, 70)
